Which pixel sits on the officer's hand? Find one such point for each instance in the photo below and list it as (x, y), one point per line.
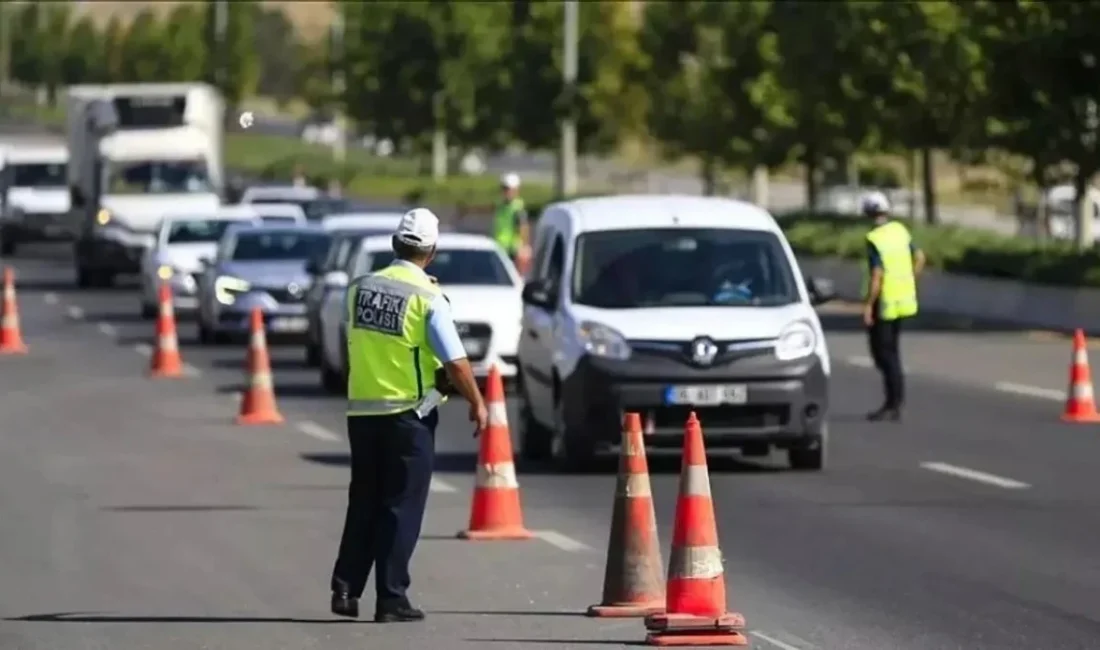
(868, 316)
(479, 415)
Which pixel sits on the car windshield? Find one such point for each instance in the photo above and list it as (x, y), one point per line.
(195, 231)
(277, 219)
(317, 209)
(457, 267)
(38, 175)
(157, 177)
(713, 267)
(281, 245)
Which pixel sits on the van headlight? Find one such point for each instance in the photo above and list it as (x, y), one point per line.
(602, 341)
(165, 272)
(798, 340)
(227, 288)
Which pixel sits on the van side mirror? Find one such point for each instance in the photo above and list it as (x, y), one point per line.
(536, 293)
(821, 290)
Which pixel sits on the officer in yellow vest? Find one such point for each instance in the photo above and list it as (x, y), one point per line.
(404, 354)
(510, 224)
(889, 297)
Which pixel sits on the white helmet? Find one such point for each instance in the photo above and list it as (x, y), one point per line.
(874, 204)
(509, 181)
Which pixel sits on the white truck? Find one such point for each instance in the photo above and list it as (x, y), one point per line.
(138, 153)
(34, 200)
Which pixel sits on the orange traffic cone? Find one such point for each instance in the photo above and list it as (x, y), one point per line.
(11, 334)
(258, 401)
(166, 360)
(632, 583)
(695, 609)
(1080, 404)
(495, 513)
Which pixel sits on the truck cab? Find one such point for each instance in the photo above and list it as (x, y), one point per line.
(140, 153)
(34, 201)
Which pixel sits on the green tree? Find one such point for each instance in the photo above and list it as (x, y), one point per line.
(83, 60)
(56, 28)
(822, 58)
(233, 64)
(184, 47)
(114, 51)
(28, 46)
(712, 84)
(143, 49)
(281, 52)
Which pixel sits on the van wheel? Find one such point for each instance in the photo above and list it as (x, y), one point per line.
(313, 355)
(536, 441)
(810, 456)
(331, 380)
(7, 246)
(573, 450)
(84, 278)
(149, 312)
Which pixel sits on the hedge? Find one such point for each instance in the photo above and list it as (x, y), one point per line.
(951, 248)
(364, 175)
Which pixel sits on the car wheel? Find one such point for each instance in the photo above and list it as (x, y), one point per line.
(84, 278)
(810, 456)
(313, 355)
(332, 380)
(536, 441)
(573, 450)
(7, 246)
(148, 312)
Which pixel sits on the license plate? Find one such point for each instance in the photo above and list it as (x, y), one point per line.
(711, 395)
(289, 324)
(473, 347)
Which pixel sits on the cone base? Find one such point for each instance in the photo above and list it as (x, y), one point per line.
(499, 534)
(660, 623)
(636, 610)
(166, 373)
(1085, 417)
(255, 419)
(17, 348)
(696, 640)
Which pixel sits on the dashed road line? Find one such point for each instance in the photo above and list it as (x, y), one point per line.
(144, 349)
(314, 430)
(1030, 391)
(191, 371)
(50, 298)
(782, 645)
(975, 475)
(439, 486)
(107, 329)
(861, 362)
(75, 313)
(564, 542)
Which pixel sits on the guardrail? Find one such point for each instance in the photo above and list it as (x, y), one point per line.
(984, 299)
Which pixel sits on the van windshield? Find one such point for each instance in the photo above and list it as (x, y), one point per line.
(38, 175)
(157, 177)
(704, 267)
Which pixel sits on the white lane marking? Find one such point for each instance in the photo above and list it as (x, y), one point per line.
(1030, 391)
(975, 475)
(191, 371)
(50, 298)
(782, 645)
(144, 349)
(439, 486)
(862, 362)
(107, 328)
(75, 313)
(314, 430)
(564, 542)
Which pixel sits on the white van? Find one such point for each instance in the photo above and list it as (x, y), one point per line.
(664, 305)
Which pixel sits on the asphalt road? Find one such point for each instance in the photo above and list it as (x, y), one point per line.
(134, 514)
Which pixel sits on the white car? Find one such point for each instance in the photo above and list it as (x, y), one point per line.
(176, 257)
(279, 214)
(478, 279)
(361, 221)
(667, 305)
(280, 194)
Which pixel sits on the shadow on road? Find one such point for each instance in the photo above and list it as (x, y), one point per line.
(177, 508)
(924, 322)
(277, 363)
(568, 642)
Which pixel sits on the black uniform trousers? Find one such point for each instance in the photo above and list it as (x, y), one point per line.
(391, 469)
(884, 339)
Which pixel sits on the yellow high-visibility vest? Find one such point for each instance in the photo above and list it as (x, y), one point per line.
(898, 298)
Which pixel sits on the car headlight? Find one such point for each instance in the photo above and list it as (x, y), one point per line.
(602, 341)
(798, 340)
(165, 272)
(103, 217)
(227, 287)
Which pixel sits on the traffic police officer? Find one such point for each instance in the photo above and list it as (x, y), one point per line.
(404, 353)
(510, 226)
(889, 298)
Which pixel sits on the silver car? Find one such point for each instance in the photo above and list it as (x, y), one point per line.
(258, 267)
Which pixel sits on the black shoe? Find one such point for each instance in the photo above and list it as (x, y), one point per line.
(887, 414)
(345, 605)
(402, 614)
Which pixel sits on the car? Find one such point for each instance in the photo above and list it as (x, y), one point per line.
(279, 194)
(327, 275)
(667, 305)
(279, 213)
(480, 282)
(34, 195)
(259, 266)
(176, 257)
(382, 220)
